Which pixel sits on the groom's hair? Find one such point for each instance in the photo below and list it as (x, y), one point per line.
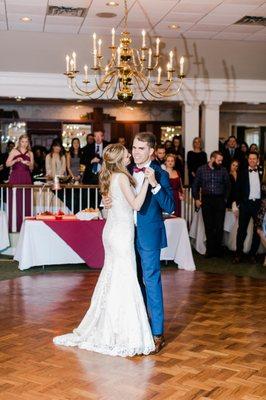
(147, 137)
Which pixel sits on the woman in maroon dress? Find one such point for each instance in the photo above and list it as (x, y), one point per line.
(175, 181)
(21, 162)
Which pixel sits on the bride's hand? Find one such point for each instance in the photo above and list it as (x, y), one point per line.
(150, 175)
(107, 202)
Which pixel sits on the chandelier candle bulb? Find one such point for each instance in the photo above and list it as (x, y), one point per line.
(72, 65)
(159, 76)
(143, 39)
(182, 60)
(67, 63)
(74, 57)
(171, 55)
(149, 60)
(99, 47)
(86, 73)
(95, 59)
(113, 37)
(157, 47)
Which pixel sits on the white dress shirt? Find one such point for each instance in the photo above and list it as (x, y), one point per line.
(254, 184)
(99, 150)
(139, 178)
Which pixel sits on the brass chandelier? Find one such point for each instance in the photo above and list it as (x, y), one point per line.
(129, 71)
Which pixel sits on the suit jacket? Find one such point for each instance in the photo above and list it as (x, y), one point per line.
(151, 233)
(243, 187)
(88, 153)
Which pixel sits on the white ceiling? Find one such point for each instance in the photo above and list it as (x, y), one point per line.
(197, 19)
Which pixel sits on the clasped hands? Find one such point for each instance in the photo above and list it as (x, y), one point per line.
(149, 175)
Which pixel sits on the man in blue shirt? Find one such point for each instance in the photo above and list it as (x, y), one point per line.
(210, 190)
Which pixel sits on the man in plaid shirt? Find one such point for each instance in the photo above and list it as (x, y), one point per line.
(210, 190)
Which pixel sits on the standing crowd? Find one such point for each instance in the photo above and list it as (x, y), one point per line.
(231, 179)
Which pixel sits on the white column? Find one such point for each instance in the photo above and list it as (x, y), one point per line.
(190, 128)
(210, 126)
(190, 124)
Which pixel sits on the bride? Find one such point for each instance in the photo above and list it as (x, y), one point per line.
(116, 322)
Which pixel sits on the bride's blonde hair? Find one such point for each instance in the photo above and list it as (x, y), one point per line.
(113, 162)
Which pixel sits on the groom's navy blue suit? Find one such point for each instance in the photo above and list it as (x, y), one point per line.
(150, 239)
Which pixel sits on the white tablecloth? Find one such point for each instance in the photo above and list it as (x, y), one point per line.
(4, 237)
(179, 248)
(198, 237)
(40, 245)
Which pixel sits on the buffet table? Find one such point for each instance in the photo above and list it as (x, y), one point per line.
(74, 242)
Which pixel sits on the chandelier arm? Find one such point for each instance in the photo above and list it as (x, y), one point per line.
(143, 93)
(82, 91)
(115, 89)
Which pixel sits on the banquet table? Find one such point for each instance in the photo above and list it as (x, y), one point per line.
(74, 242)
(198, 237)
(4, 236)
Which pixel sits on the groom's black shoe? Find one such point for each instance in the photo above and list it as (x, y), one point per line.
(159, 342)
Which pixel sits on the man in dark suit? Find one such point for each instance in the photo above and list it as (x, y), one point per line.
(92, 159)
(248, 191)
(231, 152)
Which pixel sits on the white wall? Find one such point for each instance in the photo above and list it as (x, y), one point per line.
(45, 53)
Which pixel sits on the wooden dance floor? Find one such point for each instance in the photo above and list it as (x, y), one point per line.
(214, 332)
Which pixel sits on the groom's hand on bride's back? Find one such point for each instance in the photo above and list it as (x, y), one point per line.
(107, 201)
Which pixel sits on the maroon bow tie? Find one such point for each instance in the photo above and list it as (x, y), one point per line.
(136, 169)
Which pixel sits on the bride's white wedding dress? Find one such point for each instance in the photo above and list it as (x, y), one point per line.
(116, 322)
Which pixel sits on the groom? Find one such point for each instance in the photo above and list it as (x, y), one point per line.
(150, 235)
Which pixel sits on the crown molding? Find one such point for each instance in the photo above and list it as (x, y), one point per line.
(194, 91)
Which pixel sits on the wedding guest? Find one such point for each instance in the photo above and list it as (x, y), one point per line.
(244, 150)
(254, 148)
(55, 161)
(233, 173)
(248, 190)
(92, 159)
(39, 161)
(122, 140)
(73, 160)
(21, 162)
(261, 221)
(160, 153)
(4, 170)
(178, 150)
(212, 182)
(231, 152)
(168, 146)
(175, 181)
(195, 159)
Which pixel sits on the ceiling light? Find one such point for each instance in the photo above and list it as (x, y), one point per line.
(128, 70)
(106, 15)
(112, 4)
(139, 102)
(173, 26)
(25, 19)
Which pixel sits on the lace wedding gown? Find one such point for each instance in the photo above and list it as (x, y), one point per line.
(116, 322)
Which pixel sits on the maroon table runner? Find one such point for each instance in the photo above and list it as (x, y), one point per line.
(84, 237)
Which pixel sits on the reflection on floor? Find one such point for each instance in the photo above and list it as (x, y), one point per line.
(214, 331)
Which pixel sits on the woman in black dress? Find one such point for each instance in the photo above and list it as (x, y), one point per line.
(234, 167)
(195, 159)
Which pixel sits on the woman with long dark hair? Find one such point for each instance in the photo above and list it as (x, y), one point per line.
(55, 161)
(73, 159)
